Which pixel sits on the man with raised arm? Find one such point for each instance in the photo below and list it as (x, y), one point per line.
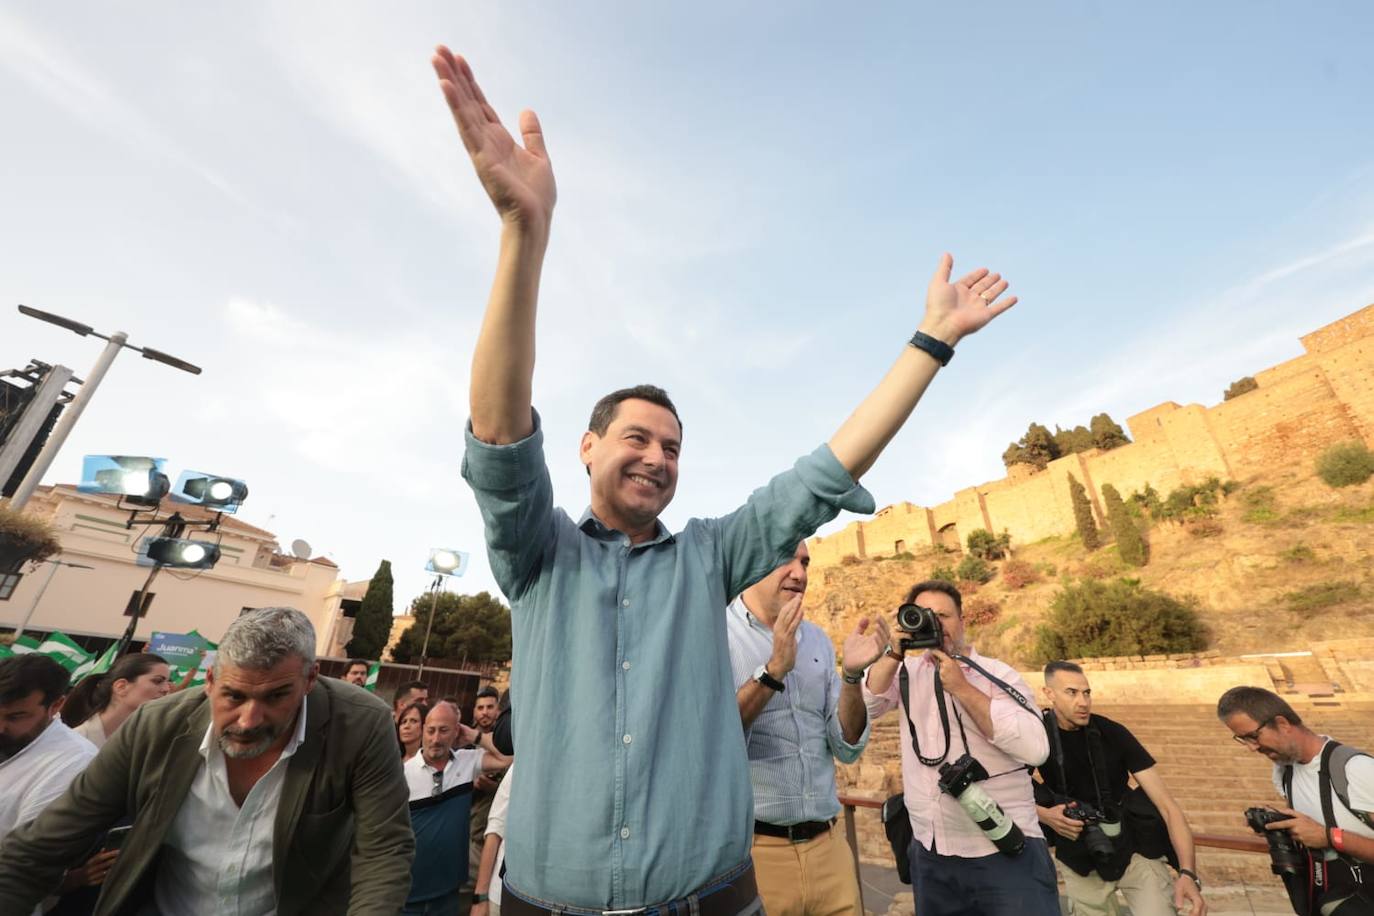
(630, 793)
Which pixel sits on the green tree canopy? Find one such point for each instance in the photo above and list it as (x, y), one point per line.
(1107, 433)
(1083, 514)
(475, 628)
(372, 625)
(1130, 543)
(1239, 387)
(1093, 619)
(1036, 448)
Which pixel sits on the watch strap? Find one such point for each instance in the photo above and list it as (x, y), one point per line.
(767, 680)
(481, 898)
(1191, 874)
(852, 678)
(940, 351)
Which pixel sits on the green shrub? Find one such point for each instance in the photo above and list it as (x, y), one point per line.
(1147, 500)
(1019, 574)
(1298, 553)
(1324, 594)
(1118, 618)
(973, 569)
(985, 545)
(1229, 487)
(1348, 514)
(945, 572)
(1129, 541)
(1260, 507)
(1240, 386)
(1346, 464)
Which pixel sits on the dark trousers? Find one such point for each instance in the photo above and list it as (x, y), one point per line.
(995, 885)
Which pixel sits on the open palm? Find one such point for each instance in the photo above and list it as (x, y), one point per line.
(863, 647)
(518, 179)
(957, 309)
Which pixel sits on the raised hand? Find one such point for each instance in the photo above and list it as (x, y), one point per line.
(862, 648)
(785, 638)
(518, 179)
(956, 310)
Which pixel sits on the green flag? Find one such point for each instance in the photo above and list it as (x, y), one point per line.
(371, 682)
(62, 650)
(24, 645)
(96, 665)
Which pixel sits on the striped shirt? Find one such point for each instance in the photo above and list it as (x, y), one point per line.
(794, 743)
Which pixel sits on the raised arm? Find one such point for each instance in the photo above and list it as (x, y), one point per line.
(519, 181)
(953, 311)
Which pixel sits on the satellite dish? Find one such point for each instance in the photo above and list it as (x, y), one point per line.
(300, 549)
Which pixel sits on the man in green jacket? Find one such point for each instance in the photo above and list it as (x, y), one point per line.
(273, 791)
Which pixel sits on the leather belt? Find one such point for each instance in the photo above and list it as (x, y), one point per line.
(725, 895)
(794, 833)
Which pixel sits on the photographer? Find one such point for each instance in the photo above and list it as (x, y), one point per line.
(958, 867)
(1083, 799)
(1330, 793)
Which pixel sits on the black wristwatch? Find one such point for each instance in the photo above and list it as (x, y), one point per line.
(1191, 874)
(767, 680)
(938, 349)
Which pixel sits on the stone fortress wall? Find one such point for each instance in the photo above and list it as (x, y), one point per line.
(1301, 407)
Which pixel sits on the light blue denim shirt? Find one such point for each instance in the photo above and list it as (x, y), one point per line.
(633, 785)
(794, 743)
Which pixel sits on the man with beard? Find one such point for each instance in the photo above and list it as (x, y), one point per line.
(272, 791)
(1329, 788)
(39, 755)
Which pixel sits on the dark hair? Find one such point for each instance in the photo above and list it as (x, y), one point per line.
(937, 585)
(1257, 703)
(405, 689)
(21, 675)
(606, 408)
(1055, 667)
(488, 691)
(354, 662)
(423, 709)
(93, 694)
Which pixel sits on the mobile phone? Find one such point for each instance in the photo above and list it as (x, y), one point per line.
(115, 838)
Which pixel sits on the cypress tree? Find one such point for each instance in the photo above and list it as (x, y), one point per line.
(1083, 514)
(372, 626)
(1129, 542)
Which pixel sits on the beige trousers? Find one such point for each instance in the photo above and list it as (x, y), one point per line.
(1147, 884)
(815, 878)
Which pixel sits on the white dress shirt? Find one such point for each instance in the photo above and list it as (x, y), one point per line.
(462, 767)
(217, 856)
(496, 824)
(37, 775)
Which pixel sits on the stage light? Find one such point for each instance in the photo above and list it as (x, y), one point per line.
(445, 562)
(181, 553)
(137, 479)
(222, 494)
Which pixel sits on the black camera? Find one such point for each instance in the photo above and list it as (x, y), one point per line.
(960, 780)
(1285, 858)
(921, 626)
(1098, 830)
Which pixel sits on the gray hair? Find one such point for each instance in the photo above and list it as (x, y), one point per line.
(263, 637)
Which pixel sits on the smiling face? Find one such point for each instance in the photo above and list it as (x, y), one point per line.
(633, 466)
(253, 709)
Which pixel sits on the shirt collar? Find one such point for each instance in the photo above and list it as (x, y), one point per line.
(741, 612)
(592, 525)
(297, 739)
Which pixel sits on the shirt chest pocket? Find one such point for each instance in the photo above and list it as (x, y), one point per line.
(812, 683)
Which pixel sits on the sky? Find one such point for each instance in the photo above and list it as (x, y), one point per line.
(752, 198)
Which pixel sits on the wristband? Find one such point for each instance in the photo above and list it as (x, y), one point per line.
(853, 678)
(940, 351)
(1335, 838)
(481, 898)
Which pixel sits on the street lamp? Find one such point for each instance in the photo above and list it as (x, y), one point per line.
(443, 563)
(114, 343)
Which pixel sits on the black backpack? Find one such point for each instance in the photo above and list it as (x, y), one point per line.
(1340, 878)
(897, 823)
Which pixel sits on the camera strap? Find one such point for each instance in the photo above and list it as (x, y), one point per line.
(1091, 736)
(904, 680)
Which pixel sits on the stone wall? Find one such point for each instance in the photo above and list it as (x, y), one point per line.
(1300, 408)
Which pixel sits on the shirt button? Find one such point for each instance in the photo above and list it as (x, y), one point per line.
(625, 603)
(625, 665)
(627, 739)
(624, 833)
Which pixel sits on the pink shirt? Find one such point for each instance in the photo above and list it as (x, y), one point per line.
(1018, 739)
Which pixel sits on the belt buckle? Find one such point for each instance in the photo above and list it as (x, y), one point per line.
(634, 912)
(795, 838)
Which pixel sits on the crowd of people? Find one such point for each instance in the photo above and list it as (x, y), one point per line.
(677, 718)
